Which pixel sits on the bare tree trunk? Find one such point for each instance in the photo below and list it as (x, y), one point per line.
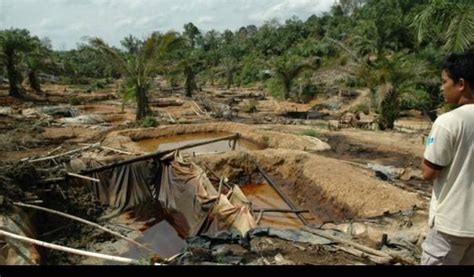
(13, 75)
(389, 107)
(287, 88)
(34, 81)
(190, 81)
(230, 78)
(142, 103)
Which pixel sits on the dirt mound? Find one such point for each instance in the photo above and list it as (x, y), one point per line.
(316, 182)
(263, 138)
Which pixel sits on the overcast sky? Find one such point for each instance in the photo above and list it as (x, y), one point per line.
(65, 22)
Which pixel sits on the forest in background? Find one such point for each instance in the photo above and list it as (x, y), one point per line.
(391, 47)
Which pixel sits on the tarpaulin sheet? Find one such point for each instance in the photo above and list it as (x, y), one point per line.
(182, 188)
(15, 252)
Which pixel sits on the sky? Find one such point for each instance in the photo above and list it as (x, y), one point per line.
(67, 22)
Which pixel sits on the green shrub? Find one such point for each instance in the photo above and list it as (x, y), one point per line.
(309, 92)
(99, 85)
(362, 107)
(310, 133)
(353, 82)
(415, 99)
(274, 87)
(74, 101)
(66, 80)
(250, 107)
(150, 122)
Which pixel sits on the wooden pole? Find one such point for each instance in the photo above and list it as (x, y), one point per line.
(280, 211)
(116, 150)
(88, 223)
(69, 250)
(282, 195)
(65, 154)
(83, 177)
(154, 155)
(358, 246)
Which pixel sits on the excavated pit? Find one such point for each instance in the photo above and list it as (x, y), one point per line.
(311, 182)
(172, 142)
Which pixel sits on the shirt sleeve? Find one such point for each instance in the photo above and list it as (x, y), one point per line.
(439, 146)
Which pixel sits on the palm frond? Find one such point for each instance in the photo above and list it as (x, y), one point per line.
(112, 54)
(423, 21)
(460, 32)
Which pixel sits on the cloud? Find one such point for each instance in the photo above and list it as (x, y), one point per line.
(288, 8)
(206, 20)
(66, 21)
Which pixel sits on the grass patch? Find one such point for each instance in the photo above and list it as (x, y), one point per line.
(310, 133)
(150, 122)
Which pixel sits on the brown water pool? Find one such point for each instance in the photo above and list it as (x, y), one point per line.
(263, 196)
(171, 142)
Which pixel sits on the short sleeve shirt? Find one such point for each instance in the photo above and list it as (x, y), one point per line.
(451, 145)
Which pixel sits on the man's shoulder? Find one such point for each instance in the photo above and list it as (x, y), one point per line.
(445, 120)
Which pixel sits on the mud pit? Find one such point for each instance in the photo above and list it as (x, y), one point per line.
(314, 174)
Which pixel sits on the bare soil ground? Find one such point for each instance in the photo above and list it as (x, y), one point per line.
(325, 173)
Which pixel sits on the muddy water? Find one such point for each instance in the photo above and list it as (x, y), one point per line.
(156, 230)
(171, 142)
(263, 196)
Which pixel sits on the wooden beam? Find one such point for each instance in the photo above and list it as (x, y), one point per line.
(282, 195)
(153, 155)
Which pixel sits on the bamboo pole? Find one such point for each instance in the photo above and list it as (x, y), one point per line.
(116, 150)
(154, 155)
(65, 154)
(83, 177)
(88, 223)
(280, 211)
(69, 250)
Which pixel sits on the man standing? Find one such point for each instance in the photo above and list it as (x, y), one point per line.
(449, 163)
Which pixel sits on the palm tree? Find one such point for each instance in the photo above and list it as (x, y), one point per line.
(38, 59)
(138, 68)
(454, 19)
(230, 66)
(13, 44)
(287, 67)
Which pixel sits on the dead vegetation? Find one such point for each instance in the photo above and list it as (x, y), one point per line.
(340, 210)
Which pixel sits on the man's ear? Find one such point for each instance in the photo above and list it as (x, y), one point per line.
(461, 84)
(465, 86)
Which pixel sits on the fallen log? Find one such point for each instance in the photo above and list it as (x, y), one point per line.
(165, 102)
(386, 258)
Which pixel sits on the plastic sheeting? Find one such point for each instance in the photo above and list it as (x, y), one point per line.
(15, 252)
(182, 188)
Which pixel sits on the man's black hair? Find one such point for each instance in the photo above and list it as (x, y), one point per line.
(460, 65)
